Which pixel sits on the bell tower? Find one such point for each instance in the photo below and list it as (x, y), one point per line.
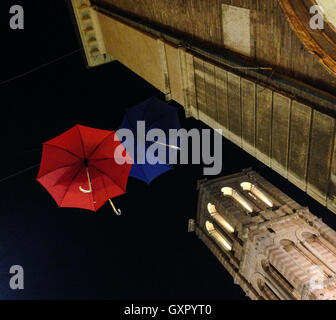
(272, 247)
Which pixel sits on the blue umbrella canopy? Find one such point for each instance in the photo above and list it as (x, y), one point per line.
(156, 115)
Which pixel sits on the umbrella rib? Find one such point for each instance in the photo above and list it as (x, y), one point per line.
(92, 195)
(131, 124)
(60, 148)
(103, 173)
(118, 212)
(161, 117)
(82, 142)
(107, 195)
(100, 144)
(144, 116)
(68, 187)
(67, 166)
(151, 125)
(110, 158)
(144, 172)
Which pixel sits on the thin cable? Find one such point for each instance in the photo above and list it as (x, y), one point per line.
(18, 173)
(40, 67)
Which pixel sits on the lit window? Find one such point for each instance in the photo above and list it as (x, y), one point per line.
(225, 244)
(287, 245)
(219, 219)
(235, 195)
(247, 186)
(209, 226)
(212, 209)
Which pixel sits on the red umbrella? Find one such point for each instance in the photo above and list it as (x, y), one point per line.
(79, 168)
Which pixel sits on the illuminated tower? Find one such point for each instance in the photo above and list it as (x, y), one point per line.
(272, 247)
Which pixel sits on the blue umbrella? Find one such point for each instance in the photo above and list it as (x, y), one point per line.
(156, 115)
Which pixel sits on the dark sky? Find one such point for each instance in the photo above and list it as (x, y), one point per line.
(146, 253)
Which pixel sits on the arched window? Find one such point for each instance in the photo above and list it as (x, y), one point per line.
(253, 190)
(271, 271)
(287, 245)
(266, 290)
(307, 236)
(218, 237)
(236, 196)
(219, 219)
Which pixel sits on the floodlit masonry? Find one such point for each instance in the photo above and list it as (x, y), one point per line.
(273, 248)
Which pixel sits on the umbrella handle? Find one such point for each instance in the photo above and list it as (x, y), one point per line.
(117, 212)
(168, 145)
(89, 181)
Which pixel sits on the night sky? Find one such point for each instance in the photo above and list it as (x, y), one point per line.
(147, 252)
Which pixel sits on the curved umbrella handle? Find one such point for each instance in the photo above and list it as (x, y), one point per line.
(89, 181)
(117, 212)
(168, 145)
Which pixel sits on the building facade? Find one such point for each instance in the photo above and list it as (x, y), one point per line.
(272, 247)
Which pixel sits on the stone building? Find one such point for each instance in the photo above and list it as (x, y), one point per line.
(272, 247)
(254, 68)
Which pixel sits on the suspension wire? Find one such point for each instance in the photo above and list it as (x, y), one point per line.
(18, 173)
(21, 76)
(40, 67)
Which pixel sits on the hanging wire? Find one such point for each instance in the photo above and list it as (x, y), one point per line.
(21, 76)
(18, 173)
(40, 67)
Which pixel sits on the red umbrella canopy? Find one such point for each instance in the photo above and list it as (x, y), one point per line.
(79, 168)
